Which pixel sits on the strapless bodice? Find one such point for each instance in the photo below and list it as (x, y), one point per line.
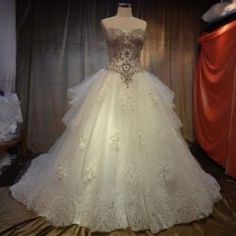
(124, 48)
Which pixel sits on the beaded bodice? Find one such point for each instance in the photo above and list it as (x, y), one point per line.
(124, 48)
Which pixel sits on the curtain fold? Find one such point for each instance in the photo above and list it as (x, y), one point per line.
(60, 43)
(215, 96)
(7, 45)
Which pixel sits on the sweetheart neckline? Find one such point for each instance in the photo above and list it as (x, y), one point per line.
(126, 31)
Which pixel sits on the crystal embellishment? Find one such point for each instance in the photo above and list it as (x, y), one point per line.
(124, 51)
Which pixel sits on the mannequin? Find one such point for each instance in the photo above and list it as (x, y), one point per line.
(124, 19)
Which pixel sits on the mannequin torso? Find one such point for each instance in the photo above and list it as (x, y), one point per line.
(124, 20)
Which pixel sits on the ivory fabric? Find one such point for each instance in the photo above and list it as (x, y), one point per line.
(15, 220)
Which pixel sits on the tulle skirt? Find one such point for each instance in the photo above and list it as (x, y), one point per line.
(121, 161)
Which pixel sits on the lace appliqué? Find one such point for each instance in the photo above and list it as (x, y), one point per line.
(133, 176)
(153, 96)
(141, 137)
(127, 99)
(124, 51)
(114, 138)
(165, 173)
(83, 141)
(61, 172)
(90, 173)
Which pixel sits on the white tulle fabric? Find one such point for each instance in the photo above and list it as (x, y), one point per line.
(120, 163)
(10, 116)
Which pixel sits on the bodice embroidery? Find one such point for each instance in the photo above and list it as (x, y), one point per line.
(124, 49)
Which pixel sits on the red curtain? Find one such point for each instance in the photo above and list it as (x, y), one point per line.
(215, 96)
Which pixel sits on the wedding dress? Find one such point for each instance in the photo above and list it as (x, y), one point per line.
(121, 162)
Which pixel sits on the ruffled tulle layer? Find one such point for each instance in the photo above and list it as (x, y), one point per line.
(120, 163)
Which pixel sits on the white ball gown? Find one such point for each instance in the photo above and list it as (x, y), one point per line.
(121, 162)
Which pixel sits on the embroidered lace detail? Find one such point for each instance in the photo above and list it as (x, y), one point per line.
(114, 138)
(90, 173)
(141, 137)
(61, 172)
(153, 96)
(133, 176)
(136, 205)
(127, 100)
(83, 141)
(124, 52)
(165, 174)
